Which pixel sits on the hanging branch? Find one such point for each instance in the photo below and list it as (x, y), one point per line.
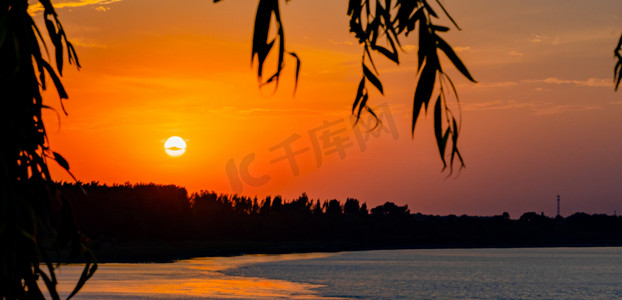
(263, 44)
(34, 217)
(378, 26)
(372, 24)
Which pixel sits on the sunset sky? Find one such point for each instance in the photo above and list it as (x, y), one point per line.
(543, 120)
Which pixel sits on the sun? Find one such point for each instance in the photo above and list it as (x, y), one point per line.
(175, 146)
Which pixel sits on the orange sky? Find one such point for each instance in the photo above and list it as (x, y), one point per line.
(542, 121)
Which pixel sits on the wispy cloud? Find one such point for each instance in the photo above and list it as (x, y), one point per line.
(409, 47)
(495, 84)
(541, 38)
(270, 112)
(560, 109)
(462, 49)
(498, 105)
(35, 8)
(278, 112)
(86, 44)
(536, 39)
(347, 43)
(102, 8)
(537, 108)
(591, 82)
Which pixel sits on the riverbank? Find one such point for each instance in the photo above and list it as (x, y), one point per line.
(169, 251)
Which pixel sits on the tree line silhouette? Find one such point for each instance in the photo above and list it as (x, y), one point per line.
(150, 212)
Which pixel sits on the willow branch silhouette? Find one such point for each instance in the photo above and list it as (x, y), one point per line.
(379, 27)
(34, 216)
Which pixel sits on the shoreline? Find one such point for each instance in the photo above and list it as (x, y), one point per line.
(171, 251)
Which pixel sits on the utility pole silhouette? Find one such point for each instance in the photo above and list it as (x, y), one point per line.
(558, 206)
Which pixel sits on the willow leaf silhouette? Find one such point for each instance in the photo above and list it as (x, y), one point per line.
(373, 79)
(454, 58)
(441, 140)
(617, 69)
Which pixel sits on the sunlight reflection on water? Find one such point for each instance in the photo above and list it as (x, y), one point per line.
(187, 279)
(511, 273)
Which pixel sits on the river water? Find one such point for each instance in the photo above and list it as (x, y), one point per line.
(517, 273)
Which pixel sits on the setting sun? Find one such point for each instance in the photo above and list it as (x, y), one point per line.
(175, 146)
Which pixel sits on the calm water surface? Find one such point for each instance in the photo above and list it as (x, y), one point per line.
(528, 273)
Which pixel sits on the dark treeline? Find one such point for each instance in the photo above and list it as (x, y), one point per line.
(149, 212)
